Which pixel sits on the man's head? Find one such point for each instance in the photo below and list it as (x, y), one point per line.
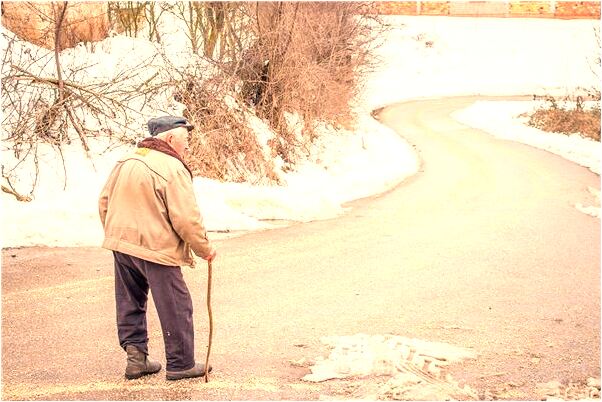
(177, 138)
(173, 130)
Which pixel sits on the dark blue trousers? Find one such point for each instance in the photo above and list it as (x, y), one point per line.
(133, 279)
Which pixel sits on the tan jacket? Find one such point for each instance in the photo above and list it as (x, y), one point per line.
(148, 210)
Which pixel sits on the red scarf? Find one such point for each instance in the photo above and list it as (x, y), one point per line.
(162, 146)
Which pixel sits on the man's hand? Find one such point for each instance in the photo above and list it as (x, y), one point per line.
(211, 255)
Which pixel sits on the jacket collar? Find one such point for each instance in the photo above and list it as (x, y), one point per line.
(162, 146)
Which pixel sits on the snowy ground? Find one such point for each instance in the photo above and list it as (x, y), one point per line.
(422, 57)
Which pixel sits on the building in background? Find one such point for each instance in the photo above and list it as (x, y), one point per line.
(503, 9)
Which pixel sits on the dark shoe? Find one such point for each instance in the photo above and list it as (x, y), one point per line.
(197, 371)
(139, 364)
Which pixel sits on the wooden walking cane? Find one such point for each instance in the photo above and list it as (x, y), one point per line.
(210, 319)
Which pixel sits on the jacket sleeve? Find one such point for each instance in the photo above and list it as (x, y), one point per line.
(184, 213)
(103, 200)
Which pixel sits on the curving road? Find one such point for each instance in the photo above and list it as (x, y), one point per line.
(482, 248)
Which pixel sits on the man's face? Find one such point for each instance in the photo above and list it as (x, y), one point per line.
(178, 139)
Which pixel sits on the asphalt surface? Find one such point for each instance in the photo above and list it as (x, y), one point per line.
(483, 248)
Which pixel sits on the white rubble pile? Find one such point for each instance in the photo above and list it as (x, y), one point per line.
(592, 210)
(556, 391)
(416, 369)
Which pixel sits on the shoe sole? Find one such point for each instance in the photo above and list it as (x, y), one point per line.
(136, 376)
(183, 377)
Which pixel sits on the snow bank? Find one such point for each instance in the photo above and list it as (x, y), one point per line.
(342, 167)
(507, 120)
(59, 216)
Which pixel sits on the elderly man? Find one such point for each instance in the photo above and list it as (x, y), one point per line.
(152, 223)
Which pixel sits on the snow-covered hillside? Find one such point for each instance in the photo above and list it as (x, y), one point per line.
(421, 57)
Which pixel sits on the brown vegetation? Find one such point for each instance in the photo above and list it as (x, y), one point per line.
(222, 146)
(577, 120)
(267, 59)
(128, 16)
(557, 117)
(306, 58)
(302, 58)
(34, 22)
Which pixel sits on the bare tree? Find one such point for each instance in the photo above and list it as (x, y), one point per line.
(53, 109)
(214, 27)
(152, 14)
(129, 15)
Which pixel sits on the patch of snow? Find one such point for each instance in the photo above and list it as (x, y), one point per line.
(413, 366)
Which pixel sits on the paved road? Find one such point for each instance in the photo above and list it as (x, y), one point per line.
(482, 248)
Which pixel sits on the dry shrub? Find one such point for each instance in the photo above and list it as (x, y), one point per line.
(34, 22)
(277, 58)
(559, 118)
(568, 121)
(222, 146)
(306, 58)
